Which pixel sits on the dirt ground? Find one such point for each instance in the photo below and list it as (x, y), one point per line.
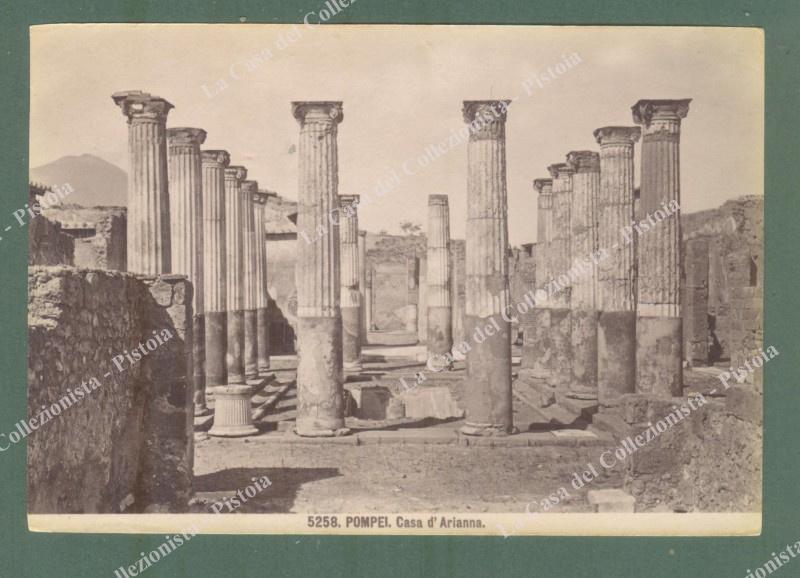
(335, 478)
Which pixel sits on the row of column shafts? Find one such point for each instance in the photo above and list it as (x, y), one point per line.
(611, 325)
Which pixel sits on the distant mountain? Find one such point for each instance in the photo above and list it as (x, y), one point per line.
(95, 182)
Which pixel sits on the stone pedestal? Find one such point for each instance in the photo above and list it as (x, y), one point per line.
(559, 287)
(214, 266)
(488, 380)
(234, 277)
(583, 247)
(616, 297)
(232, 412)
(148, 198)
(320, 398)
(350, 289)
(439, 312)
(659, 371)
(248, 189)
(412, 309)
(186, 232)
(262, 296)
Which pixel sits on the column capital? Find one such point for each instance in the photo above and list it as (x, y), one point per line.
(617, 135)
(349, 199)
(185, 136)
(215, 157)
(250, 187)
(584, 161)
(320, 111)
(647, 110)
(362, 233)
(560, 170)
(260, 198)
(488, 110)
(438, 200)
(138, 105)
(235, 172)
(541, 184)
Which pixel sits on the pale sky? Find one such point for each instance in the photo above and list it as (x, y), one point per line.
(403, 88)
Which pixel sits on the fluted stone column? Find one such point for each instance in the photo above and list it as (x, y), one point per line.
(488, 380)
(350, 288)
(412, 309)
(362, 283)
(439, 305)
(232, 401)
(320, 399)
(422, 299)
(659, 338)
(537, 351)
(234, 275)
(558, 286)
(186, 232)
(583, 248)
(616, 284)
(249, 189)
(148, 198)
(215, 297)
(262, 296)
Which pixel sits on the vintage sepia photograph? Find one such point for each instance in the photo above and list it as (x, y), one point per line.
(394, 279)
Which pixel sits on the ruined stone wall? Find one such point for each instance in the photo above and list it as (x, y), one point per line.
(47, 245)
(387, 255)
(127, 444)
(735, 236)
(709, 462)
(100, 234)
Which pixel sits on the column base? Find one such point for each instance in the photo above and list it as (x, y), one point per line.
(232, 412)
(216, 347)
(487, 430)
(322, 433)
(659, 341)
(616, 356)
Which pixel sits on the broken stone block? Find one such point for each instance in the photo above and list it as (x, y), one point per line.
(436, 402)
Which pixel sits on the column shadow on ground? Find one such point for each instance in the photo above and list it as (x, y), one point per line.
(276, 499)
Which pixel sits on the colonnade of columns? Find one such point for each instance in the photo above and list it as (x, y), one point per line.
(611, 326)
(191, 213)
(614, 274)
